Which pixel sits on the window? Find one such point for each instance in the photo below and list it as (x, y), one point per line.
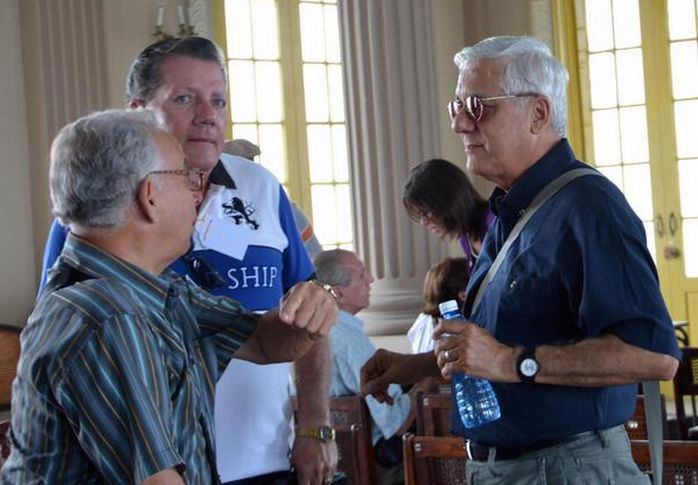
(286, 95)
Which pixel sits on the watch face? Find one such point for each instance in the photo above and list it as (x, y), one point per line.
(326, 433)
(529, 367)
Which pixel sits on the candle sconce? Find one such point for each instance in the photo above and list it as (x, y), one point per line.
(185, 27)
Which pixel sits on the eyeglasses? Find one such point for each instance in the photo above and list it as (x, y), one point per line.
(474, 106)
(195, 176)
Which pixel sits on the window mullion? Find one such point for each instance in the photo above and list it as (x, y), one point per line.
(298, 182)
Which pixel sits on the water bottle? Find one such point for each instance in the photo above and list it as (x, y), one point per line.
(477, 402)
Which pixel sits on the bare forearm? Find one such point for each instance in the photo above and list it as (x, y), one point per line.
(312, 375)
(164, 477)
(603, 361)
(275, 341)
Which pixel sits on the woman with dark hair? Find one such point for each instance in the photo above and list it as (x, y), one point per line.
(439, 196)
(444, 281)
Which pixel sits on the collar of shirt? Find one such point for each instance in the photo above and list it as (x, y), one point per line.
(93, 261)
(508, 206)
(350, 320)
(220, 176)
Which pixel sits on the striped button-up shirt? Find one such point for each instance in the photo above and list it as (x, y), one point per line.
(116, 377)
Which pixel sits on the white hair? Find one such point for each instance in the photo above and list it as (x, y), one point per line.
(527, 66)
(97, 164)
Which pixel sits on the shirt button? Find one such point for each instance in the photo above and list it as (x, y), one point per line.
(513, 284)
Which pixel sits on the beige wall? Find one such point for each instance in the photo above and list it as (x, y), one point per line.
(17, 268)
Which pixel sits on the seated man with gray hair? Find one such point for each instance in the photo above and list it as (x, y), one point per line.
(351, 348)
(120, 357)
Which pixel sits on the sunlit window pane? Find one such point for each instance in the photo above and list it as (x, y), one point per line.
(336, 93)
(271, 143)
(312, 33)
(325, 221)
(320, 153)
(269, 101)
(239, 30)
(606, 137)
(690, 247)
(686, 113)
(688, 175)
(343, 212)
(315, 85)
(339, 152)
(626, 23)
(614, 174)
(631, 78)
(332, 34)
(651, 242)
(682, 19)
(266, 42)
(599, 26)
(602, 73)
(633, 135)
(637, 187)
(684, 69)
(242, 91)
(246, 132)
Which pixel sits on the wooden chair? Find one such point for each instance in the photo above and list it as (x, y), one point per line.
(351, 420)
(680, 460)
(433, 414)
(434, 460)
(9, 355)
(686, 386)
(636, 426)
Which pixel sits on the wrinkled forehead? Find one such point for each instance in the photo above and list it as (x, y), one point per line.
(480, 77)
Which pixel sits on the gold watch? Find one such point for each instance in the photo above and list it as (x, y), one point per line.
(323, 433)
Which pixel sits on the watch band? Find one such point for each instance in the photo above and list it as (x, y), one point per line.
(323, 433)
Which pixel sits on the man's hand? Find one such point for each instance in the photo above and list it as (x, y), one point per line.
(310, 307)
(385, 368)
(314, 460)
(474, 351)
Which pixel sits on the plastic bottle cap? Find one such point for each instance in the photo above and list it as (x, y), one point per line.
(448, 306)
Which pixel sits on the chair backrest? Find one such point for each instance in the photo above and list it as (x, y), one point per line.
(680, 460)
(434, 460)
(686, 385)
(636, 426)
(9, 355)
(351, 420)
(433, 414)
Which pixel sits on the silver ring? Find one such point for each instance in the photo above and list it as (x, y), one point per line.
(447, 356)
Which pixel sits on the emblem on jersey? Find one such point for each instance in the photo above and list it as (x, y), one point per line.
(240, 212)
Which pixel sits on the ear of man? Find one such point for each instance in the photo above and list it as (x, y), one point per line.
(147, 200)
(541, 111)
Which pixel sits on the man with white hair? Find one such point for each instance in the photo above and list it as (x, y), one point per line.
(566, 304)
(119, 358)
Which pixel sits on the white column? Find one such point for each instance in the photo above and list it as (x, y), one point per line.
(394, 122)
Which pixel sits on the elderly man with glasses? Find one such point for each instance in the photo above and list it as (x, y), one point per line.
(246, 246)
(119, 358)
(564, 300)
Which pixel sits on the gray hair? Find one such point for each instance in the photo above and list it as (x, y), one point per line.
(97, 164)
(329, 267)
(528, 66)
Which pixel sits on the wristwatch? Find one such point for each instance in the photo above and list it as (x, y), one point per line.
(323, 433)
(527, 366)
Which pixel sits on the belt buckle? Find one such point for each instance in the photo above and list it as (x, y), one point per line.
(467, 449)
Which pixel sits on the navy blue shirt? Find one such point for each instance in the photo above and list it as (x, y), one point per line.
(579, 269)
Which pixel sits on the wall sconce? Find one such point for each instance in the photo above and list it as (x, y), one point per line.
(185, 27)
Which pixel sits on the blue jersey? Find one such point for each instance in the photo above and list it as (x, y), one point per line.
(245, 231)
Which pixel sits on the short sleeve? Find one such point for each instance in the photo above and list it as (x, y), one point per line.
(297, 265)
